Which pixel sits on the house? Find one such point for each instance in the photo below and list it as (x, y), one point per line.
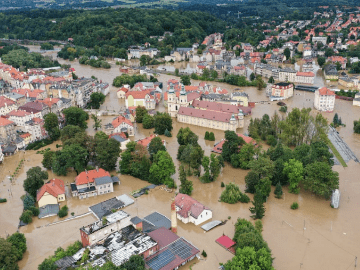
(172, 251)
(121, 138)
(356, 100)
(122, 91)
(324, 99)
(346, 82)
(242, 97)
(190, 210)
(305, 77)
(26, 137)
(92, 183)
(36, 128)
(140, 98)
(331, 73)
(7, 129)
(52, 192)
(54, 104)
(280, 91)
(218, 146)
(338, 59)
(287, 75)
(151, 222)
(121, 124)
(6, 105)
(31, 93)
(17, 98)
(38, 108)
(101, 229)
(146, 141)
(226, 243)
(19, 117)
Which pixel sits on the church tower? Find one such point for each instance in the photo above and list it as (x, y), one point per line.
(183, 97)
(241, 120)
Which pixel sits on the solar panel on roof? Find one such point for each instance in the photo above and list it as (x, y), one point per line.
(180, 248)
(161, 260)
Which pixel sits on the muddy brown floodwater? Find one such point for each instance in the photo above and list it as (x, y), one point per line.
(313, 237)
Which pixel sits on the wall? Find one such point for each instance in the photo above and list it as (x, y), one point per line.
(47, 199)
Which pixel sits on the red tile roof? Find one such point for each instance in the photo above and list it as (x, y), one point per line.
(191, 88)
(49, 101)
(163, 236)
(122, 135)
(7, 101)
(120, 119)
(188, 205)
(137, 94)
(218, 146)
(145, 142)
(89, 176)
(18, 113)
(206, 114)
(124, 89)
(326, 92)
(305, 74)
(5, 122)
(225, 241)
(25, 135)
(215, 106)
(55, 187)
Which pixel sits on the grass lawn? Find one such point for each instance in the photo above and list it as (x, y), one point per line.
(337, 154)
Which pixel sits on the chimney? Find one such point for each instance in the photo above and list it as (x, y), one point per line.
(173, 217)
(97, 168)
(85, 171)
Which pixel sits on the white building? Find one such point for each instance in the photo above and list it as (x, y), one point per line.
(305, 77)
(190, 210)
(6, 105)
(356, 101)
(324, 99)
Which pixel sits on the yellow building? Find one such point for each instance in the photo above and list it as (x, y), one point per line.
(26, 137)
(52, 192)
(242, 97)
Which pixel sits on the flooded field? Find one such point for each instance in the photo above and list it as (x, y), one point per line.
(313, 237)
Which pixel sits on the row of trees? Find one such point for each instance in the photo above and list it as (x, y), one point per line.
(131, 80)
(97, 63)
(12, 250)
(299, 127)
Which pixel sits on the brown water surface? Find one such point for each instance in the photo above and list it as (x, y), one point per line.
(313, 237)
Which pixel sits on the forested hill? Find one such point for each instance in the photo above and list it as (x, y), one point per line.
(119, 28)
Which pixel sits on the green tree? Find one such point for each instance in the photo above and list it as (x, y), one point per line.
(144, 60)
(321, 61)
(26, 216)
(162, 122)
(186, 186)
(34, 180)
(357, 126)
(71, 156)
(167, 133)
(194, 76)
(214, 74)
(176, 72)
(155, 146)
(148, 121)
(48, 159)
(76, 117)
(231, 145)
(295, 172)
(258, 209)
(185, 136)
(287, 53)
(211, 136)
(320, 179)
(278, 191)
(232, 194)
(8, 255)
(107, 153)
(96, 99)
(18, 242)
(46, 46)
(252, 76)
(206, 135)
(140, 113)
(244, 157)
(51, 125)
(248, 258)
(271, 80)
(70, 132)
(47, 264)
(206, 74)
(162, 169)
(97, 122)
(136, 262)
(185, 79)
(28, 201)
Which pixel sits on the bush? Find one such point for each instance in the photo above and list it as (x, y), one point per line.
(28, 202)
(294, 206)
(207, 135)
(26, 216)
(35, 211)
(72, 213)
(167, 133)
(283, 109)
(204, 254)
(63, 211)
(222, 184)
(232, 194)
(211, 136)
(258, 226)
(3, 200)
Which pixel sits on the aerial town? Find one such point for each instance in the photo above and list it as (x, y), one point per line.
(190, 146)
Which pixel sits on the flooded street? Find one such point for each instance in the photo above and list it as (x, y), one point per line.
(313, 237)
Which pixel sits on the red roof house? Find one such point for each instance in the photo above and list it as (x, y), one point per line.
(89, 176)
(226, 243)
